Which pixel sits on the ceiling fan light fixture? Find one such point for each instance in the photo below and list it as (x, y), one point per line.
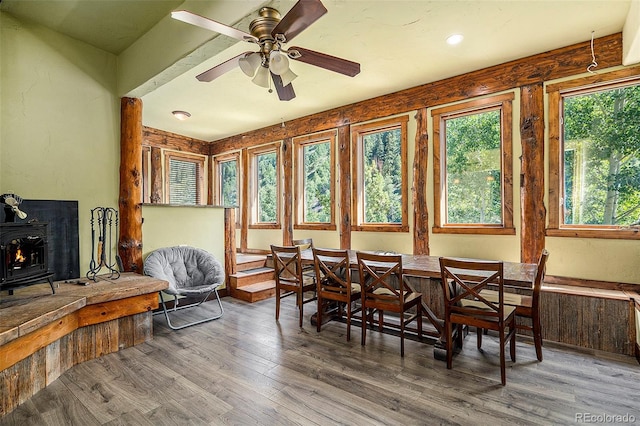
(287, 77)
(262, 77)
(181, 115)
(278, 63)
(250, 63)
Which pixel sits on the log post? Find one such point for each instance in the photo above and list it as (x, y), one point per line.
(156, 175)
(419, 188)
(344, 179)
(130, 242)
(287, 192)
(533, 212)
(244, 204)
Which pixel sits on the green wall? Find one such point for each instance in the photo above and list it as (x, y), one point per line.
(59, 121)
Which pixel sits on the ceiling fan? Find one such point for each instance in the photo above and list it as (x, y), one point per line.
(270, 33)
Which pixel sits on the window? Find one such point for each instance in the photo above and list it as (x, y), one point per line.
(227, 178)
(314, 164)
(226, 170)
(380, 171)
(184, 178)
(594, 149)
(472, 167)
(265, 186)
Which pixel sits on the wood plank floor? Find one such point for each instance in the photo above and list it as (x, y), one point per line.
(246, 368)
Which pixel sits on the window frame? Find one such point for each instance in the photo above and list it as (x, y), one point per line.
(299, 144)
(503, 103)
(358, 132)
(199, 160)
(252, 155)
(556, 93)
(217, 181)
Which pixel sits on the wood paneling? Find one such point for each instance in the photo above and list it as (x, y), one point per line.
(167, 140)
(107, 311)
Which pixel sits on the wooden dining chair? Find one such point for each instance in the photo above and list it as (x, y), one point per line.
(333, 282)
(384, 289)
(463, 280)
(287, 265)
(527, 306)
(306, 244)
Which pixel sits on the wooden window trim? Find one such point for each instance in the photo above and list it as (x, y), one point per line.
(146, 167)
(215, 177)
(357, 132)
(504, 104)
(199, 160)
(252, 177)
(299, 144)
(556, 227)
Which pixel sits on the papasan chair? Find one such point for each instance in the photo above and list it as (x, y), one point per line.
(191, 272)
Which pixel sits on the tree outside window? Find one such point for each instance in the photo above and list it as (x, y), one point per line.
(264, 195)
(315, 184)
(228, 182)
(594, 150)
(473, 176)
(601, 142)
(473, 167)
(380, 189)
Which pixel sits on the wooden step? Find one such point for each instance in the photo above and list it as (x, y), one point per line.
(250, 276)
(255, 292)
(249, 261)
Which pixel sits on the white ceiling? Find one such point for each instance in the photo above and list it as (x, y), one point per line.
(399, 44)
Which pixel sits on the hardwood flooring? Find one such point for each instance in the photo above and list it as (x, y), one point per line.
(246, 368)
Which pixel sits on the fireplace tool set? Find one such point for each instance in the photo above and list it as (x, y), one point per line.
(104, 223)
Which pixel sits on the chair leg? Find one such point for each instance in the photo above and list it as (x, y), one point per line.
(402, 334)
(176, 308)
(537, 337)
(299, 300)
(319, 314)
(348, 321)
(448, 333)
(512, 344)
(364, 326)
(277, 303)
(480, 332)
(503, 369)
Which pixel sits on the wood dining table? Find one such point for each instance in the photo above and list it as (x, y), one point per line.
(421, 269)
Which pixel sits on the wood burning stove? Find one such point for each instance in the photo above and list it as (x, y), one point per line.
(23, 255)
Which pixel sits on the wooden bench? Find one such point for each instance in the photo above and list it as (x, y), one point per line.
(42, 335)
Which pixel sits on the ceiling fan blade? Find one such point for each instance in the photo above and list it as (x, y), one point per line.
(301, 15)
(209, 24)
(220, 69)
(285, 93)
(325, 61)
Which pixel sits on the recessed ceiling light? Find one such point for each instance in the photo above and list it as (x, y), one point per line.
(181, 115)
(455, 39)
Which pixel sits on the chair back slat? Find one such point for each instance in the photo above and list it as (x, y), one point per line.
(381, 277)
(332, 270)
(465, 279)
(287, 264)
